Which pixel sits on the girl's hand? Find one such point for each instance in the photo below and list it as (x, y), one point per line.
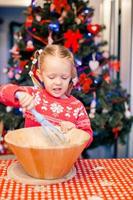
(26, 100)
(66, 126)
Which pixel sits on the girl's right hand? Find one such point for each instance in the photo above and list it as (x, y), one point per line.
(66, 126)
(26, 100)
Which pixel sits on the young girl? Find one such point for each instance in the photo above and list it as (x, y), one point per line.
(54, 71)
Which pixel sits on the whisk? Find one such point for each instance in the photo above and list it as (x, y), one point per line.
(53, 134)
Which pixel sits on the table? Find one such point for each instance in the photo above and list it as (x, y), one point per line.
(96, 179)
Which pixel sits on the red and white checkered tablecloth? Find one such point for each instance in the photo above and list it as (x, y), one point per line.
(97, 179)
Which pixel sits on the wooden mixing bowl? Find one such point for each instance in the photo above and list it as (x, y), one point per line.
(41, 160)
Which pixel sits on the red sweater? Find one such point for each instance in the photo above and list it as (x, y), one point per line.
(54, 109)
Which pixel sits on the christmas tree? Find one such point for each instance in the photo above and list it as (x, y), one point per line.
(69, 23)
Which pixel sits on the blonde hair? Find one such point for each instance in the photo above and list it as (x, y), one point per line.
(53, 50)
(57, 50)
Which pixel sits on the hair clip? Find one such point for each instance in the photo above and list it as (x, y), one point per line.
(40, 51)
(31, 73)
(34, 61)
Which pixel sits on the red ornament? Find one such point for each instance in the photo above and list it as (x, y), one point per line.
(44, 21)
(23, 63)
(30, 47)
(82, 78)
(34, 29)
(87, 85)
(93, 28)
(115, 65)
(59, 4)
(116, 132)
(29, 21)
(15, 49)
(72, 39)
(85, 82)
(107, 78)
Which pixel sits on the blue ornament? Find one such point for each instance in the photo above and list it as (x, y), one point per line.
(33, 4)
(97, 81)
(89, 35)
(54, 27)
(78, 62)
(99, 56)
(88, 11)
(18, 111)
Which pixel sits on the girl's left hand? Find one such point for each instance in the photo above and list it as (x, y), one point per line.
(66, 126)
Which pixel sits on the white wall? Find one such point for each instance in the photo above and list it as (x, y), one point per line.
(19, 3)
(130, 153)
(126, 11)
(126, 57)
(102, 16)
(97, 5)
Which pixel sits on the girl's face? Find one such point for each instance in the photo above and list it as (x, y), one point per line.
(56, 75)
